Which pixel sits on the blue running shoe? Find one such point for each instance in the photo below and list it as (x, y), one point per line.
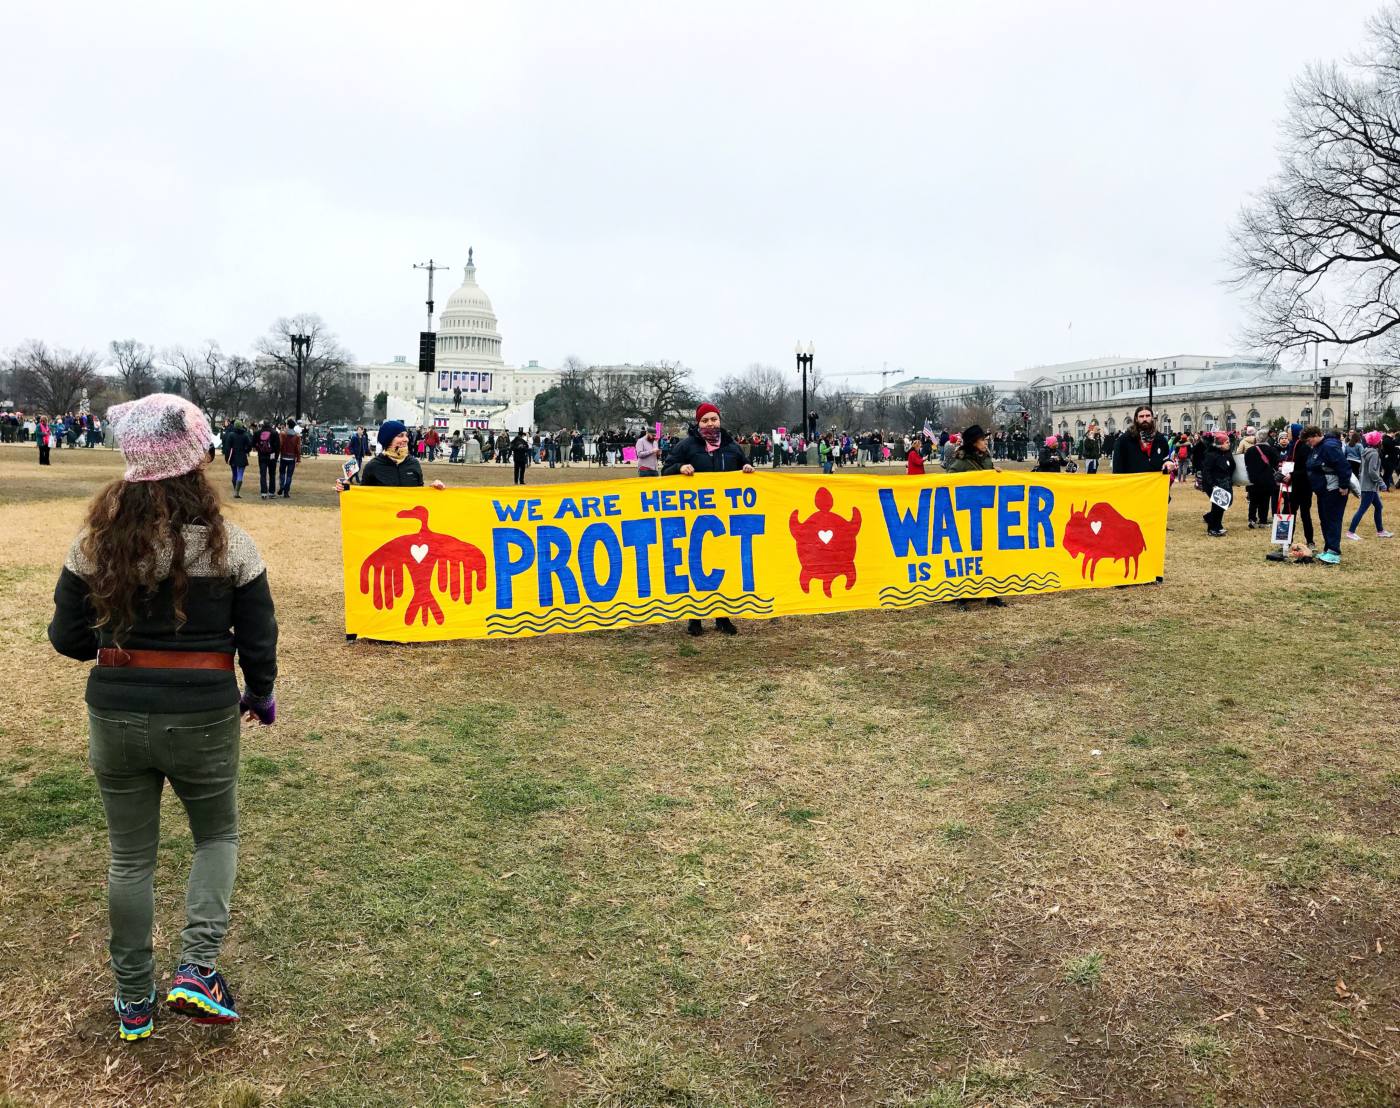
(204, 997)
(135, 1019)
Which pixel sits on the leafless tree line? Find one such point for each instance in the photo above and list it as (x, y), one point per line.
(598, 399)
(38, 377)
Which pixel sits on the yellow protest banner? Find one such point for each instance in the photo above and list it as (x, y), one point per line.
(422, 564)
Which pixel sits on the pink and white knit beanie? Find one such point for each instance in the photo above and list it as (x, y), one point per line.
(160, 436)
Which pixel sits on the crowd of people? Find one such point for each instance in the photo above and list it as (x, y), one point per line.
(73, 430)
(1283, 470)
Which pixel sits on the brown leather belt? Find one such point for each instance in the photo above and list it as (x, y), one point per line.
(164, 659)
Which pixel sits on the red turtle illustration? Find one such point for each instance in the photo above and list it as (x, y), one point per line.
(826, 544)
(420, 554)
(1103, 532)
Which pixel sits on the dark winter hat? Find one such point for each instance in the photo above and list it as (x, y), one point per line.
(973, 433)
(704, 410)
(389, 430)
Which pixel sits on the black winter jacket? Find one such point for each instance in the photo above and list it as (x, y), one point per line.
(1217, 469)
(1129, 457)
(691, 451)
(1260, 461)
(225, 615)
(238, 444)
(382, 470)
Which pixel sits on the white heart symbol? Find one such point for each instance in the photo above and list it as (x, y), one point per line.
(419, 551)
(825, 536)
(1094, 527)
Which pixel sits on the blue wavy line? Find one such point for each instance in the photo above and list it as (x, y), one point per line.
(947, 590)
(1037, 580)
(628, 607)
(643, 617)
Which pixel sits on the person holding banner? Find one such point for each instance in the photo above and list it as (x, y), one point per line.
(1143, 449)
(708, 448)
(393, 467)
(974, 456)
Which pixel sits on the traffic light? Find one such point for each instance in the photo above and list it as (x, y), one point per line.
(427, 351)
(1324, 391)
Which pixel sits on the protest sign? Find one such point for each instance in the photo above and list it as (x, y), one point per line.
(421, 564)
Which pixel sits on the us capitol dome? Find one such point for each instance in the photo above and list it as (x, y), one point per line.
(468, 357)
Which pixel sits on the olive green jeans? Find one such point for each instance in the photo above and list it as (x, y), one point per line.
(132, 754)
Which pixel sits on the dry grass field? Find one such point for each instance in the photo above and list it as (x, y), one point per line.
(1127, 847)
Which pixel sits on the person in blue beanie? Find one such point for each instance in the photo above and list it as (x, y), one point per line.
(393, 467)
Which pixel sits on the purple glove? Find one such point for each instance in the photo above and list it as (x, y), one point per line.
(264, 707)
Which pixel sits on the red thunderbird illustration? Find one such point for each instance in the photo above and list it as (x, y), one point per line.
(419, 555)
(1103, 532)
(826, 544)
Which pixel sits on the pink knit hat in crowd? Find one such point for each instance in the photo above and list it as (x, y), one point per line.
(1372, 438)
(160, 436)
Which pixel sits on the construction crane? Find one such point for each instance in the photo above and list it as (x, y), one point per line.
(884, 374)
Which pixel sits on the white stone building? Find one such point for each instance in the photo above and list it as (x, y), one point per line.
(468, 357)
(1211, 392)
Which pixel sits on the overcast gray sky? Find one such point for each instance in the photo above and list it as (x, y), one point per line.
(941, 187)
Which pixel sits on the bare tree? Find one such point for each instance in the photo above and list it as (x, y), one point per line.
(759, 399)
(52, 380)
(979, 407)
(1317, 251)
(135, 365)
(218, 385)
(925, 408)
(326, 394)
(1036, 404)
(660, 392)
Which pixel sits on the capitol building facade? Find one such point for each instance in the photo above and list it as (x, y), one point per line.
(468, 357)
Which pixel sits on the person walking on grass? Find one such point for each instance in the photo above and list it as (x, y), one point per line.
(708, 448)
(238, 444)
(287, 463)
(163, 593)
(1370, 487)
(268, 445)
(42, 435)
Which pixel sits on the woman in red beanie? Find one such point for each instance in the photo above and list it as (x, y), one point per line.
(709, 448)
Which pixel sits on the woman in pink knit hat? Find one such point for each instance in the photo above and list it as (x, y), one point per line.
(1370, 478)
(163, 593)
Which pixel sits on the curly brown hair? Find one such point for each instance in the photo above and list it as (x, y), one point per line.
(131, 526)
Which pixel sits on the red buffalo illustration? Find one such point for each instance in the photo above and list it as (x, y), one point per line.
(1103, 532)
(418, 555)
(826, 544)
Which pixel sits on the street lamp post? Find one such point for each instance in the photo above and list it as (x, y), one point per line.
(1151, 385)
(804, 364)
(432, 267)
(1349, 385)
(301, 347)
